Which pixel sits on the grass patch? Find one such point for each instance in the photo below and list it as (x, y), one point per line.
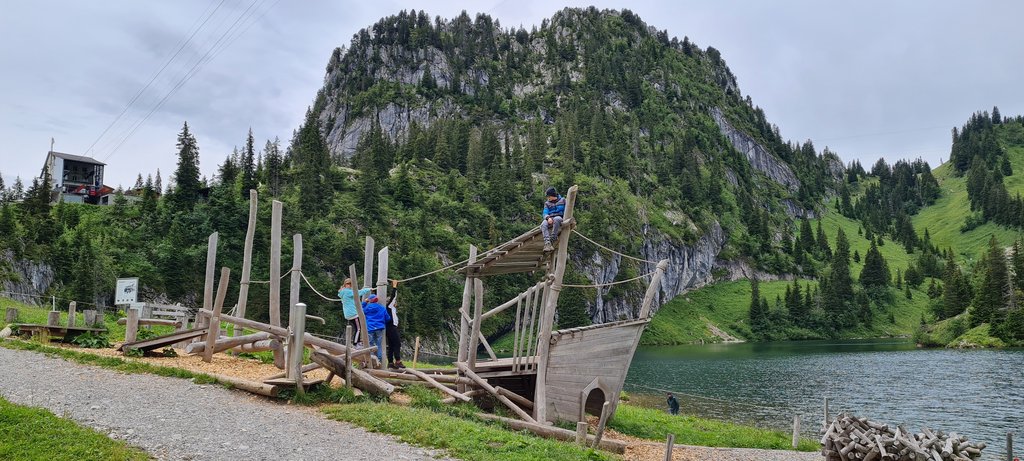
(36, 434)
(690, 430)
(462, 438)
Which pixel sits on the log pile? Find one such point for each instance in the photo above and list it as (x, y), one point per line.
(852, 438)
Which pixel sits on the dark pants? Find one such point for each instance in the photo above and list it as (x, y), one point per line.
(355, 331)
(394, 343)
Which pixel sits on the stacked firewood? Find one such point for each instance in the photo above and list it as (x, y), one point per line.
(852, 438)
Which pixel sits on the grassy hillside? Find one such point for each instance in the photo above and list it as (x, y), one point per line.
(725, 305)
(945, 218)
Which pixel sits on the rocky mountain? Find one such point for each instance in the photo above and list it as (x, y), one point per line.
(596, 97)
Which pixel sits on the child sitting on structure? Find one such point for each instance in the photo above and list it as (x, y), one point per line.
(394, 338)
(554, 208)
(377, 318)
(348, 306)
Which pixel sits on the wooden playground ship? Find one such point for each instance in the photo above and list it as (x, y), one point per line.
(551, 375)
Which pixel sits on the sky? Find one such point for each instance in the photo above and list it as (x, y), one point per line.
(115, 80)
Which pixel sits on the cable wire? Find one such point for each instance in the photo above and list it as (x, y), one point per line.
(634, 258)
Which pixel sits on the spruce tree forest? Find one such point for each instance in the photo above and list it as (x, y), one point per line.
(432, 134)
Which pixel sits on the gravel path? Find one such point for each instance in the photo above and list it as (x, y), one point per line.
(656, 452)
(174, 419)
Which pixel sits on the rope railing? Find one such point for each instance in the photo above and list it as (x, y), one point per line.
(634, 258)
(617, 282)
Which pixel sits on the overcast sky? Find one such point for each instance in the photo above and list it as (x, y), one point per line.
(869, 79)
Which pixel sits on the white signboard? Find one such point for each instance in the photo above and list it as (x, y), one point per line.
(127, 291)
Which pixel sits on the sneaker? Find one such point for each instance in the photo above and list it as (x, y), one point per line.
(393, 366)
(548, 248)
(399, 364)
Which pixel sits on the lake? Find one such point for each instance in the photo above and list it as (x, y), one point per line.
(977, 393)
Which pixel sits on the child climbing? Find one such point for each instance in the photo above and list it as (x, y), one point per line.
(377, 318)
(394, 338)
(348, 306)
(551, 221)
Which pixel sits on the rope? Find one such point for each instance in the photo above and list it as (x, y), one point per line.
(50, 298)
(634, 258)
(450, 266)
(310, 285)
(602, 285)
(268, 281)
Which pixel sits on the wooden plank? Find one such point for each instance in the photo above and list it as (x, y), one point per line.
(596, 336)
(250, 234)
(296, 283)
(467, 294)
(249, 386)
(360, 378)
(218, 306)
(296, 330)
(165, 340)
(274, 303)
(367, 264)
(652, 289)
(437, 385)
(162, 322)
(227, 343)
(604, 350)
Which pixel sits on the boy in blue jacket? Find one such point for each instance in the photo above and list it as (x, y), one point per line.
(377, 317)
(551, 221)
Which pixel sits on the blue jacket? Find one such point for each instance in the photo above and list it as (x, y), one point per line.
(348, 302)
(554, 208)
(377, 316)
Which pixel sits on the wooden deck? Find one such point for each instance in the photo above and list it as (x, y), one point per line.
(66, 333)
(524, 253)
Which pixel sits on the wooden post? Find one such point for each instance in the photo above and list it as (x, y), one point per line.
(213, 331)
(1009, 446)
(274, 303)
(382, 294)
(367, 264)
(211, 265)
(601, 422)
(581, 433)
(11, 316)
(652, 289)
(467, 294)
(669, 445)
(540, 400)
(90, 317)
(250, 234)
(72, 311)
(131, 331)
(53, 318)
(796, 431)
(478, 305)
(297, 332)
(364, 336)
(296, 283)
(348, 356)
(416, 352)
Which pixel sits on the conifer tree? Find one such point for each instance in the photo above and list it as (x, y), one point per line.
(806, 242)
(274, 166)
(758, 313)
(248, 165)
(823, 247)
(990, 298)
(186, 176)
(956, 293)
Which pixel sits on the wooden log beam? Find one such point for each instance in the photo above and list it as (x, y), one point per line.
(553, 432)
(470, 394)
(360, 379)
(518, 399)
(437, 385)
(407, 374)
(297, 330)
(162, 322)
(501, 398)
(224, 344)
(214, 330)
(72, 311)
(250, 234)
(474, 336)
(364, 336)
(331, 346)
(211, 266)
(246, 385)
(305, 369)
(605, 414)
(275, 274)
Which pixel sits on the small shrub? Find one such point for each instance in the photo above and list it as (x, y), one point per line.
(91, 340)
(134, 353)
(145, 334)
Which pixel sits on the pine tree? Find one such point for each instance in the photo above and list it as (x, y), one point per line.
(758, 313)
(312, 162)
(186, 176)
(248, 165)
(990, 298)
(274, 166)
(806, 242)
(158, 183)
(823, 247)
(368, 189)
(956, 291)
(875, 273)
(839, 292)
(17, 192)
(404, 192)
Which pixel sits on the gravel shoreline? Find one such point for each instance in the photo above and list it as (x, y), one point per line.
(175, 419)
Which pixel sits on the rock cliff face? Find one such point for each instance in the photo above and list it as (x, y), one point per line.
(24, 281)
(689, 267)
(759, 157)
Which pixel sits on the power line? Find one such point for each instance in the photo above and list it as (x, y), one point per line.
(181, 46)
(207, 57)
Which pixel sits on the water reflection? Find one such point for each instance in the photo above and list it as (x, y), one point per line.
(978, 393)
